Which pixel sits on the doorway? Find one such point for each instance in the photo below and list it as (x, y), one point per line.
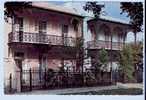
(19, 27)
(43, 66)
(42, 31)
(65, 34)
(19, 58)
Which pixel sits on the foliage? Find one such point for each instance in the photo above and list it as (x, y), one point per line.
(135, 12)
(93, 7)
(101, 63)
(61, 70)
(126, 63)
(138, 54)
(103, 56)
(79, 43)
(50, 74)
(79, 51)
(10, 7)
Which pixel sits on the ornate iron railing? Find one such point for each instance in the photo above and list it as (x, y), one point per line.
(35, 79)
(104, 44)
(40, 38)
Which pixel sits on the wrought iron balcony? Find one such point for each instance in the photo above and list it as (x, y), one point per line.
(104, 44)
(40, 38)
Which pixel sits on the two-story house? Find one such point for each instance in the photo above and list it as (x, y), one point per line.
(41, 36)
(108, 33)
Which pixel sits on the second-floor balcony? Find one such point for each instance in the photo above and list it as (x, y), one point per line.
(40, 38)
(104, 44)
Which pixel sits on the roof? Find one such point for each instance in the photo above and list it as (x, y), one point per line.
(56, 8)
(111, 19)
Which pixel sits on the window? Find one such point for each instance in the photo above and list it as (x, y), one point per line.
(42, 27)
(65, 34)
(18, 23)
(65, 29)
(36, 26)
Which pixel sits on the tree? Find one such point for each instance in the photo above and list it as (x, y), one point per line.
(103, 59)
(126, 63)
(135, 12)
(93, 7)
(79, 53)
(11, 7)
(137, 58)
(101, 63)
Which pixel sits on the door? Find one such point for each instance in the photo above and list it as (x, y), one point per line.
(19, 57)
(19, 27)
(65, 34)
(42, 31)
(43, 66)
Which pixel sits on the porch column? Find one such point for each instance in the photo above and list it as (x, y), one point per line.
(111, 55)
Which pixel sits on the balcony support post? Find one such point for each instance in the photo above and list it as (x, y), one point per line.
(111, 56)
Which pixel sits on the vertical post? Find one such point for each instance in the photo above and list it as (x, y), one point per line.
(40, 67)
(67, 77)
(45, 78)
(21, 80)
(10, 80)
(13, 27)
(111, 56)
(30, 80)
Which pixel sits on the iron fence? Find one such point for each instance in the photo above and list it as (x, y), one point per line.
(49, 79)
(104, 44)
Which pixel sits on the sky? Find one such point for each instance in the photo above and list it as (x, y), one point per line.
(111, 8)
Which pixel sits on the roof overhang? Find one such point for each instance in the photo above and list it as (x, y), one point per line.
(111, 21)
(58, 11)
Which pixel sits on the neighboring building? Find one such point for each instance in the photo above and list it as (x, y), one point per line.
(94, 33)
(110, 34)
(41, 36)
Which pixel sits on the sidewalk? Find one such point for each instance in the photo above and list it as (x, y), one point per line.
(130, 85)
(83, 89)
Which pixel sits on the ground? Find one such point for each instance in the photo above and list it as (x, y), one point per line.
(118, 89)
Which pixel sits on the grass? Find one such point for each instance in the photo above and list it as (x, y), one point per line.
(131, 91)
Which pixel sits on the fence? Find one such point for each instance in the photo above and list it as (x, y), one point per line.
(49, 79)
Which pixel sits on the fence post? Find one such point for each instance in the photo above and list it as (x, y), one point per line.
(21, 86)
(30, 80)
(10, 80)
(45, 78)
(67, 77)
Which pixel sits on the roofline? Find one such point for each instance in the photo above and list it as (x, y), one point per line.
(109, 21)
(61, 12)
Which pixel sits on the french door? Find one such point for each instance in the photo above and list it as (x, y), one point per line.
(19, 27)
(42, 31)
(65, 34)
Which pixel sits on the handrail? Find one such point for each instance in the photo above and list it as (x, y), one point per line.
(98, 44)
(26, 37)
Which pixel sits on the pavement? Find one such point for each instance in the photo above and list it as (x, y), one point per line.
(83, 89)
(130, 85)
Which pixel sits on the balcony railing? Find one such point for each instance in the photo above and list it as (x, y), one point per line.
(40, 38)
(104, 44)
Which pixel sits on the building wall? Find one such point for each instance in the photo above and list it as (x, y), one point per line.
(31, 57)
(54, 22)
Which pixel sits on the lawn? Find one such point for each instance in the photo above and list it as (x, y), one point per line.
(131, 91)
